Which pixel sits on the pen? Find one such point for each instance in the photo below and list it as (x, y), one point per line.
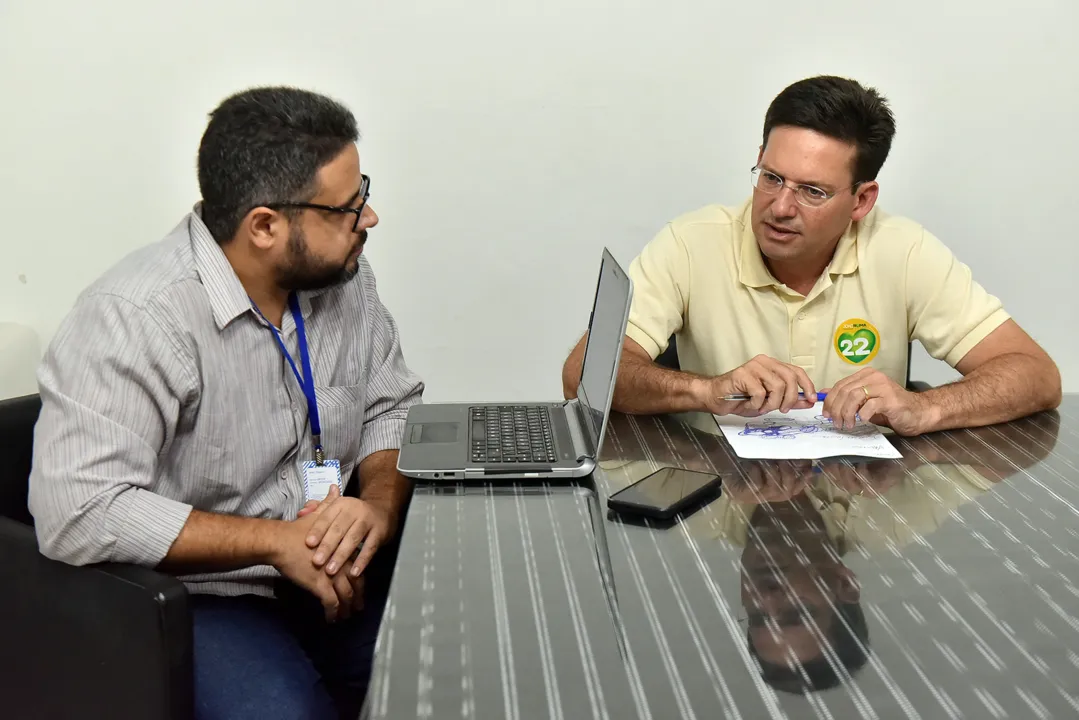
(733, 398)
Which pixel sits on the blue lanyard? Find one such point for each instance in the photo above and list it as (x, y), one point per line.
(307, 380)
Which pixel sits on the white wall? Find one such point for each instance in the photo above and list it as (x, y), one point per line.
(509, 141)
(20, 349)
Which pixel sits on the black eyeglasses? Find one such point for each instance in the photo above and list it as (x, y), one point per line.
(364, 194)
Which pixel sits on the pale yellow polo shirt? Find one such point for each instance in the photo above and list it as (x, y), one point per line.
(918, 505)
(702, 278)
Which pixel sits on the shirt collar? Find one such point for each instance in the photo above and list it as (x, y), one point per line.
(228, 299)
(752, 272)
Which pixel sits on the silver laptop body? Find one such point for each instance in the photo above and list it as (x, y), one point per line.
(488, 441)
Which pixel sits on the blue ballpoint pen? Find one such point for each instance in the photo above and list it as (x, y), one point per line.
(734, 398)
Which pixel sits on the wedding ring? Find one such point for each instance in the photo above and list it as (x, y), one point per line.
(866, 391)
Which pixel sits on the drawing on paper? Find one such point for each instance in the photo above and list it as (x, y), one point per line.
(788, 428)
(785, 428)
(801, 434)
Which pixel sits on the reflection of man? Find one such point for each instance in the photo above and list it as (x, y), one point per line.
(796, 522)
(800, 599)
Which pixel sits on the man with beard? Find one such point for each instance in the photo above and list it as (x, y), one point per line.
(226, 405)
(808, 286)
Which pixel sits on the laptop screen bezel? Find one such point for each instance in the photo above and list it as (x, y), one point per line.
(596, 436)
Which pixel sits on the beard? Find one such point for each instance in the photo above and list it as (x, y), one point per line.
(305, 272)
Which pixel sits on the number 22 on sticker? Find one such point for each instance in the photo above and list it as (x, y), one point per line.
(859, 347)
(856, 341)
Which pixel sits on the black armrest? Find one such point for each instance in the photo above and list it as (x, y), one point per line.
(100, 641)
(914, 385)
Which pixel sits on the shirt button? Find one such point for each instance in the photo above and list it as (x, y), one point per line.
(293, 406)
(801, 316)
(284, 475)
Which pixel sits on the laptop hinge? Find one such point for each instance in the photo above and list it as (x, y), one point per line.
(579, 434)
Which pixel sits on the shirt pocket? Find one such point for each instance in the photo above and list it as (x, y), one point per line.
(340, 412)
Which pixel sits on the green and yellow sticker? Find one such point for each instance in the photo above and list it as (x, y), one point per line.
(856, 341)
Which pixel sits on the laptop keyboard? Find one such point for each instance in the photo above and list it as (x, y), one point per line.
(511, 434)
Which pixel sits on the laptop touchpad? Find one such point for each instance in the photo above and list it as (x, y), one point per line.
(438, 432)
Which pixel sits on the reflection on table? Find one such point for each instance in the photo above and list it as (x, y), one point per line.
(939, 585)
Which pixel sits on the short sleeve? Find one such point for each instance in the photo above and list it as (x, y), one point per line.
(660, 277)
(948, 312)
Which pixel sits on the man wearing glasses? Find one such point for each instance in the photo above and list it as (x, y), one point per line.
(227, 404)
(808, 287)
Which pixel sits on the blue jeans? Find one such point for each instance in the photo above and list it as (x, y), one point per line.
(277, 658)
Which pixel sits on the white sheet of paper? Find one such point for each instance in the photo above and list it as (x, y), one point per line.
(801, 435)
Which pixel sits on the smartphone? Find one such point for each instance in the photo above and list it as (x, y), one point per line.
(664, 493)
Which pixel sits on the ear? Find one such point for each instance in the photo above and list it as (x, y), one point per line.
(864, 199)
(264, 227)
(847, 589)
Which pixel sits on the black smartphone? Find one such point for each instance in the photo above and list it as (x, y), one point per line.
(664, 493)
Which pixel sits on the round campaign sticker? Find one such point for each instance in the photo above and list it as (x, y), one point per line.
(856, 341)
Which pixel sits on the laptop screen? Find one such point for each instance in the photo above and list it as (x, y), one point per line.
(606, 328)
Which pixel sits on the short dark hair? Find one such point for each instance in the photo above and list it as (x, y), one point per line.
(842, 109)
(267, 145)
(851, 647)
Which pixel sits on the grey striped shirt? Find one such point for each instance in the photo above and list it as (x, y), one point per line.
(163, 390)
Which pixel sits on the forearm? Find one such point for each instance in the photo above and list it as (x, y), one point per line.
(381, 485)
(211, 542)
(643, 388)
(1004, 388)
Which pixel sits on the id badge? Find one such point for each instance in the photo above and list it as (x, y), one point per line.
(317, 479)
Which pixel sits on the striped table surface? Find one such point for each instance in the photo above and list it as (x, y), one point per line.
(942, 585)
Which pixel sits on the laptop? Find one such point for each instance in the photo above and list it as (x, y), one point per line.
(488, 441)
